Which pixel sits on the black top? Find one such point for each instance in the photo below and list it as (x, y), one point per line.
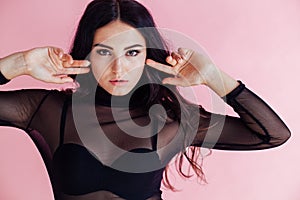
(97, 147)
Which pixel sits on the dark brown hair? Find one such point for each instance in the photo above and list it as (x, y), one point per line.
(101, 12)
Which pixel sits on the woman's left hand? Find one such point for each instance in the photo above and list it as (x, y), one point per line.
(188, 67)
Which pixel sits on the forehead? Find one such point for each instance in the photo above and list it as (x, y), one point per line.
(118, 33)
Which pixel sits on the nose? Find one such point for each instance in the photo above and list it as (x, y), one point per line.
(118, 66)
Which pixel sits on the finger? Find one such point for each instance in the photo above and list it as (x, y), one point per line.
(58, 51)
(171, 61)
(55, 55)
(177, 57)
(174, 81)
(161, 67)
(185, 53)
(79, 63)
(61, 80)
(67, 60)
(74, 70)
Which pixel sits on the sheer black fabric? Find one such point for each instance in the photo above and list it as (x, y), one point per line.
(3, 80)
(81, 166)
(258, 126)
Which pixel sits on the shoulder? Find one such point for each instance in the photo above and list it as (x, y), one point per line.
(37, 96)
(40, 92)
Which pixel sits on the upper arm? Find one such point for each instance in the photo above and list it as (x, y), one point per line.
(257, 127)
(18, 107)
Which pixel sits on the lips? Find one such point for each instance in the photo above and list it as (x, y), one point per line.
(118, 81)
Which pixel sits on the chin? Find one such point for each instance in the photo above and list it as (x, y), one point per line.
(119, 92)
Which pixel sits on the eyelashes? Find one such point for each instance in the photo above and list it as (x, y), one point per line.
(132, 53)
(106, 52)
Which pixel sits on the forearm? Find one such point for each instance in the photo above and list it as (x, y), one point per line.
(258, 116)
(13, 65)
(220, 82)
(257, 127)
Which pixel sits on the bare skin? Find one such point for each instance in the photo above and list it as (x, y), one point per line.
(190, 68)
(48, 64)
(51, 64)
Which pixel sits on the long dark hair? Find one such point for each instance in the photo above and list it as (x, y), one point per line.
(101, 12)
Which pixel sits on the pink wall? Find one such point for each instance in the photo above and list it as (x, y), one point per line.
(257, 41)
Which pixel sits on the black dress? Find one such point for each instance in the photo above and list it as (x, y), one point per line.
(87, 149)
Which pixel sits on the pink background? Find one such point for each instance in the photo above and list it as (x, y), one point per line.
(257, 41)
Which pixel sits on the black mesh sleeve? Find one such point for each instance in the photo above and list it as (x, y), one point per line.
(258, 126)
(18, 107)
(3, 80)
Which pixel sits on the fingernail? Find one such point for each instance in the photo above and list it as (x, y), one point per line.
(149, 61)
(60, 55)
(87, 63)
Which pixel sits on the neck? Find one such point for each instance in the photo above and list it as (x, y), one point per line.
(135, 98)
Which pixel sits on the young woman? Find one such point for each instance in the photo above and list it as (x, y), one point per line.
(113, 137)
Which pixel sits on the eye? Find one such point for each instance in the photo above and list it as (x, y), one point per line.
(132, 53)
(103, 52)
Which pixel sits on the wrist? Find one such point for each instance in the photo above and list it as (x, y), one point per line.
(220, 82)
(210, 75)
(27, 62)
(13, 65)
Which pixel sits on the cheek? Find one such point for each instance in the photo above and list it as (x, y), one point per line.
(97, 71)
(138, 64)
(99, 67)
(137, 68)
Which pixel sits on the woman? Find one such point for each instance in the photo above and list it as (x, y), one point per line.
(114, 136)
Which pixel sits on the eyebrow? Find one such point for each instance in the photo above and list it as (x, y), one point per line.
(108, 47)
(132, 46)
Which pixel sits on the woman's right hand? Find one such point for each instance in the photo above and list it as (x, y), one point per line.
(51, 64)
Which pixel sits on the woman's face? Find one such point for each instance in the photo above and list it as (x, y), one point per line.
(118, 57)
